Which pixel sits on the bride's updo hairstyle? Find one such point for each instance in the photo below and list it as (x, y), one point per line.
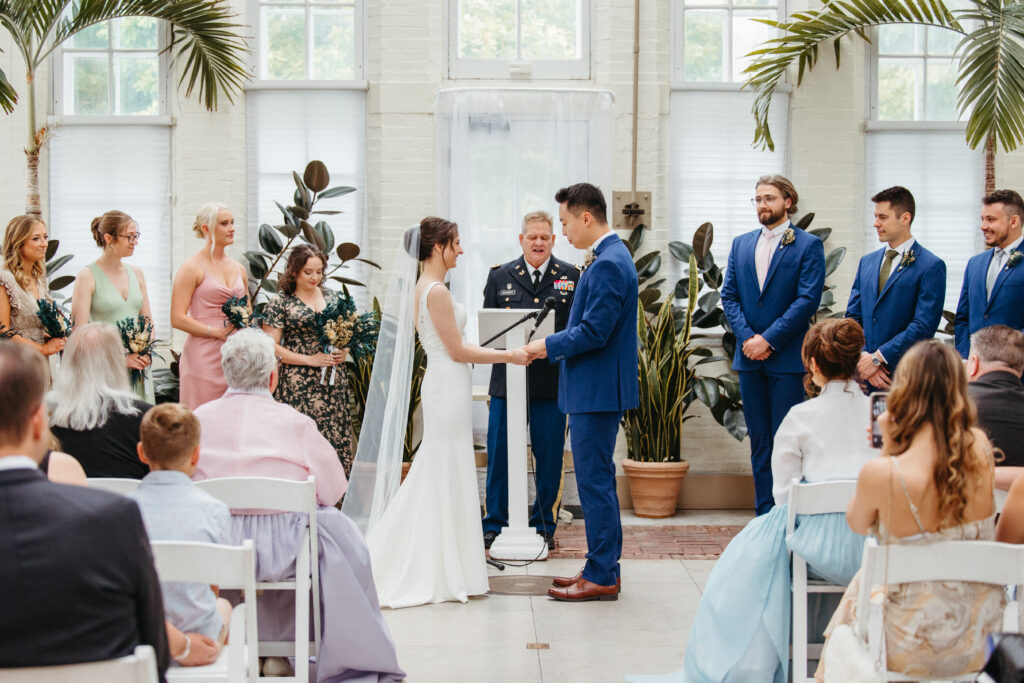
(834, 345)
(433, 231)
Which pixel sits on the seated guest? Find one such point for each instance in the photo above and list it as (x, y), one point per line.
(60, 467)
(77, 572)
(994, 367)
(819, 440)
(174, 509)
(93, 411)
(247, 433)
(935, 484)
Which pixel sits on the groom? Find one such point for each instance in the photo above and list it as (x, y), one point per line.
(597, 382)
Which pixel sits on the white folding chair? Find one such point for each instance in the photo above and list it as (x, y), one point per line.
(285, 496)
(1000, 564)
(811, 499)
(139, 667)
(223, 566)
(113, 484)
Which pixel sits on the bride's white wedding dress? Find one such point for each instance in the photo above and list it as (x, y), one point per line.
(428, 545)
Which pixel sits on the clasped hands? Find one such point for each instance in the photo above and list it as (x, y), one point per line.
(525, 355)
(875, 375)
(757, 348)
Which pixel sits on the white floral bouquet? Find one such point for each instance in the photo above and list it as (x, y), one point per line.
(137, 337)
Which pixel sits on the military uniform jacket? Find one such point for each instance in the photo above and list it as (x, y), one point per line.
(510, 285)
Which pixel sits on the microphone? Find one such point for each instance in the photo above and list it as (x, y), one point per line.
(549, 305)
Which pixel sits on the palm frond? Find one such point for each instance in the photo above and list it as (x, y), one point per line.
(8, 97)
(991, 78)
(805, 32)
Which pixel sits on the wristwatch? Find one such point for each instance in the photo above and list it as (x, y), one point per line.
(876, 361)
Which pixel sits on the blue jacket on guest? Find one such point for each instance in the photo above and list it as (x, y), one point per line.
(598, 347)
(909, 307)
(782, 311)
(976, 310)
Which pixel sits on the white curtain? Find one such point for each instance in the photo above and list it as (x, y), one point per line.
(947, 180)
(505, 152)
(285, 130)
(714, 167)
(94, 169)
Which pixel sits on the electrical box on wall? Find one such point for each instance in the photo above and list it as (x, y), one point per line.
(630, 210)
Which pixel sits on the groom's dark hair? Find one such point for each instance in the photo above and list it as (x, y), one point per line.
(584, 197)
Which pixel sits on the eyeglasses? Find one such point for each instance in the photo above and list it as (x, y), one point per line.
(132, 238)
(768, 199)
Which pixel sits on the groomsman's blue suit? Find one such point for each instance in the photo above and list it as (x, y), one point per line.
(781, 313)
(977, 310)
(598, 382)
(907, 310)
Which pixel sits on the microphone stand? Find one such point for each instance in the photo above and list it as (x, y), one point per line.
(528, 316)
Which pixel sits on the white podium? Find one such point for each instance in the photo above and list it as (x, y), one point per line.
(517, 541)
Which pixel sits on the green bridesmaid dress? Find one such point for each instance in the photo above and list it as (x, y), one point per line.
(109, 306)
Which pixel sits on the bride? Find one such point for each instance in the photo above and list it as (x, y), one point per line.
(425, 539)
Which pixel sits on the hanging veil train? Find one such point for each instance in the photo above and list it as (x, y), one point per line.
(377, 467)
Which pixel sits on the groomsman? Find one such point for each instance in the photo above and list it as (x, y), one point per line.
(773, 285)
(993, 289)
(526, 283)
(898, 292)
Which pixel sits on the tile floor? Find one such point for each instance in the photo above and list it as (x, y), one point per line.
(524, 639)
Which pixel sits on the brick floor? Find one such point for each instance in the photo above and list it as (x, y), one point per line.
(676, 542)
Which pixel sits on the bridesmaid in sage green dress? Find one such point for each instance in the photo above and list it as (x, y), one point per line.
(109, 290)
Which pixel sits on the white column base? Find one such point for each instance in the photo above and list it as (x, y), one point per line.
(519, 544)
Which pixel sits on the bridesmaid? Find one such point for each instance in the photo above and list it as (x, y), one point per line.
(22, 283)
(202, 285)
(108, 290)
(290, 324)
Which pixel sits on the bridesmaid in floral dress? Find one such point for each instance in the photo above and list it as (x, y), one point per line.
(201, 286)
(290, 323)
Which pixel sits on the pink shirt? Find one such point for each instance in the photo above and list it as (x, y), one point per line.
(252, 435)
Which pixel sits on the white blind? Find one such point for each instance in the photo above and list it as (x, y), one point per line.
(94, 169)
(714, 167)
(946, 178)
(285, 130)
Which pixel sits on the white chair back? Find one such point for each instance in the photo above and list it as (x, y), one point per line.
(1000, 564)
(226, 567)
(811, 499)
(285, 496)
(113, 484)
(139, 667)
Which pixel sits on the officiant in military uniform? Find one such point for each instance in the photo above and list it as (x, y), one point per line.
(526, 283)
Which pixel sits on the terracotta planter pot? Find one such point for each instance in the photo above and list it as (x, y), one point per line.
(654, 486)
(405, 471)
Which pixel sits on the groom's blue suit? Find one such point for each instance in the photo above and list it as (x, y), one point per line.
(598, 382)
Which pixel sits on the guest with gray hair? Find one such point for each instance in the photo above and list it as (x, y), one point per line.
(994, 367)
(93, 411)
(246, 433)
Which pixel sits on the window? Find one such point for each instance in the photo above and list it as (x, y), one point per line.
(99, 168)
(519, 38)
(716, 35)
(113, 69)
(309, 40)
(915, 76)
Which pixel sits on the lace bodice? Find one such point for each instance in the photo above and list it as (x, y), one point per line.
(429, 338)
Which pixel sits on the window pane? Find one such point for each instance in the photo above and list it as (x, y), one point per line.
(138, 81)
(89, 85)
(549, 29)
(901, 39)
(747, 35)
(941, 94)
(487, 29)
(136, 33)
(704, 45)
(898, 82)
(706, 2)
(333, 44)
(942, 41)
(754, 3)
(96, 36)
(284, 40)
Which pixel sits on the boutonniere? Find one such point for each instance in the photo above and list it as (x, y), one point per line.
(908, 258)
(1014, 259)
(788, 237)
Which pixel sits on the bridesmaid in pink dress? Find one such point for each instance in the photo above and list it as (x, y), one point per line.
(202, 285)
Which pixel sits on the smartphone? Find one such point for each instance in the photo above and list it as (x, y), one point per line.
(878, 400)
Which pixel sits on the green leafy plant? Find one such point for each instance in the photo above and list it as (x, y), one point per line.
(55, 283)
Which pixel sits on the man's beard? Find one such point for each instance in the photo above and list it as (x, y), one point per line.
(772, 218)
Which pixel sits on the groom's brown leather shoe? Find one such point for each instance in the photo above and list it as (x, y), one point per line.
(566, 581)
(584, 590)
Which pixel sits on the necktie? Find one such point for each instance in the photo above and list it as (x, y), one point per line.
(993, 270)
(883, 274)
(536, 278)
(588, 258)
(763, 257)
